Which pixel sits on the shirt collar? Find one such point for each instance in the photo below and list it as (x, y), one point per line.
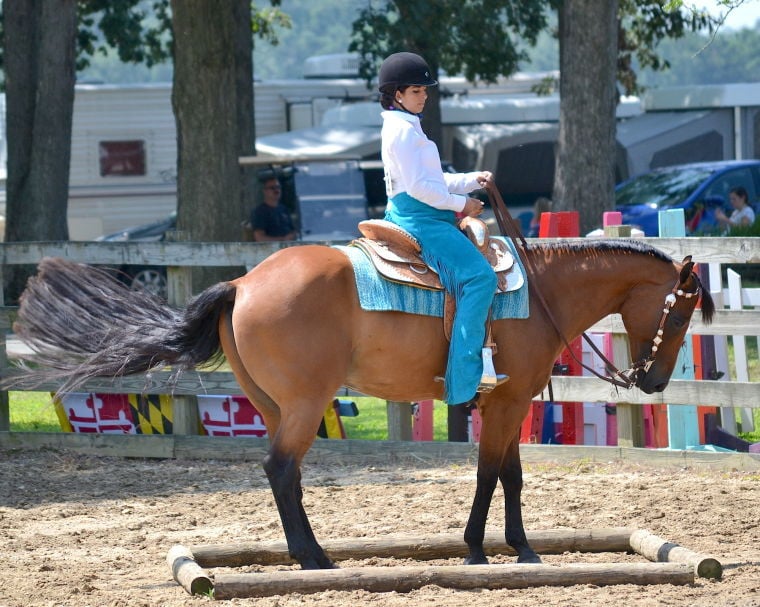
(401, 115)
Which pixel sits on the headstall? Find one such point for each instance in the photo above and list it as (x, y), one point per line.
(624, 379)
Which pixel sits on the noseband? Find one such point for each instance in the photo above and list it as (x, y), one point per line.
(624, 379)
(628, 377)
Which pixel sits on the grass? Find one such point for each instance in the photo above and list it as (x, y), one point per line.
(372, 421)
(33, 412)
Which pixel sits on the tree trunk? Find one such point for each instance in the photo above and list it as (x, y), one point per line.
(212, 98)
(585, 161)
(40, 74)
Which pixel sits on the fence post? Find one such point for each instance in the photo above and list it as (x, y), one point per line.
(567, 224)
(740, 347)
(683, 429)
(705, 367)
(5, 412)
(629, 418)
(185, 418)
(399, 420)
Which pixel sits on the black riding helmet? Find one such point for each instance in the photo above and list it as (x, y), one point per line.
(404, 69)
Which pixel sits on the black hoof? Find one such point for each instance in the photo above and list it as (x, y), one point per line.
(529, 558)
(476, 560)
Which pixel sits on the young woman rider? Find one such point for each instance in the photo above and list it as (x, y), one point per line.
(424, 200)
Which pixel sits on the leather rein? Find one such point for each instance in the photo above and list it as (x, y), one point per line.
(624, 379)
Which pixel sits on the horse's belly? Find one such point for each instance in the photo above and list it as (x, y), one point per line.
(397, 356)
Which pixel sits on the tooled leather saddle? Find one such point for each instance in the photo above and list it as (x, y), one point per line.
(395, 254)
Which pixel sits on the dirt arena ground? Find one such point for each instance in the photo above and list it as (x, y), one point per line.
(84, 531)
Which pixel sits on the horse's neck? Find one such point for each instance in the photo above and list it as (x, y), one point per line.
(582, 286)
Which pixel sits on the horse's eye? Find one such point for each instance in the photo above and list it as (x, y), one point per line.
(677, 321)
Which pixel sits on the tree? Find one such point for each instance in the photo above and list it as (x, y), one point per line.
(212, 97)
(41, 41)
(477, 38)
(585, 158)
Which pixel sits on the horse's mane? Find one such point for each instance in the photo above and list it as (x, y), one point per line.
(628, 247)
(604, 246)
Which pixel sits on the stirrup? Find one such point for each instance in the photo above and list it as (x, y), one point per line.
(490, 378)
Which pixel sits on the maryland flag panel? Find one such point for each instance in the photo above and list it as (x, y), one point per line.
(114, 413)
(152, 414)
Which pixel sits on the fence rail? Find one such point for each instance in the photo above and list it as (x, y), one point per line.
(181, 257)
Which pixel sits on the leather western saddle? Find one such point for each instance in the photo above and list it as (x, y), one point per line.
(395, 253)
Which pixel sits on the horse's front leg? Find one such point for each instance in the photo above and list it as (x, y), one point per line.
(284, 474)
(474, 533)
(511, 479)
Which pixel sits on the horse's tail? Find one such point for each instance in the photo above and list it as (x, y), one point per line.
(81, 322)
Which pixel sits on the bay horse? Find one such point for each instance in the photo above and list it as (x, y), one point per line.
(293, 332)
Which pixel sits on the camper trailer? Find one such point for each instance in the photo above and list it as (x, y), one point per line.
(124, 145)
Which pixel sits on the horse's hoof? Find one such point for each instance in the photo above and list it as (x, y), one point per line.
(476, 560)
(530, 558)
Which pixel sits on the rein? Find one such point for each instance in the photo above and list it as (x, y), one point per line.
(624, 379)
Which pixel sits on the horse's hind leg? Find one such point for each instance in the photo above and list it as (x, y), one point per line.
(283, 469)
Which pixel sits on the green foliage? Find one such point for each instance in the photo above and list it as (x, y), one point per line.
(136, 31)
(750, 230)
(480, 39)
(316, 28)
(643, 25)
(267, 20)
(732, 56)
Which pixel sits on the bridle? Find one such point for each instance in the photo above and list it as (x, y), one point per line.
(628, 377)
(624, 379)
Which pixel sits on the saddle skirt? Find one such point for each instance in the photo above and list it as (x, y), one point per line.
(395, 253)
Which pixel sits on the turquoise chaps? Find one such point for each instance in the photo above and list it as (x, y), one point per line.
(465, 274)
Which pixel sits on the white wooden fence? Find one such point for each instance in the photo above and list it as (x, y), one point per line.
(732, 319)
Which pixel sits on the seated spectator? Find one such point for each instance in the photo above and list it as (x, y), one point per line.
(270, 220)
(742, 215)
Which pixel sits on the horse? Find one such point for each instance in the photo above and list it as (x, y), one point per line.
(293, 332)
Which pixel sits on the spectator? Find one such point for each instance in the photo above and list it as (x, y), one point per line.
(742, 215)
(270, 220)
(542, 205)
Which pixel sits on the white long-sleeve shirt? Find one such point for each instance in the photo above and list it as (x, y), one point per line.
(412, 165)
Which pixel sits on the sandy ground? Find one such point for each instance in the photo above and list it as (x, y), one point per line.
(85, 531)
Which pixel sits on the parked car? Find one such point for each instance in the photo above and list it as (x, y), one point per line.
(697, 188)
(148, 278)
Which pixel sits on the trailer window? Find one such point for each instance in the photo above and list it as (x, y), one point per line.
(120, 158)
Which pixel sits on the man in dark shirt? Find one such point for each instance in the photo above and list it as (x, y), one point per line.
(271, 220)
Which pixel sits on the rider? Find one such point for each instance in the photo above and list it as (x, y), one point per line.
(424, 200)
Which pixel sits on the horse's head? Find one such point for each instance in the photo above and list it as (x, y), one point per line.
(657, 319)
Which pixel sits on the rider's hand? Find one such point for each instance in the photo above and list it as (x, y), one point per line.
(484, 178)
(472, 208)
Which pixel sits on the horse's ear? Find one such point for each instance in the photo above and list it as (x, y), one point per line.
(688, 265)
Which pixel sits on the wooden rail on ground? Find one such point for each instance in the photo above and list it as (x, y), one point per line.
(180, 257)
(670, 563)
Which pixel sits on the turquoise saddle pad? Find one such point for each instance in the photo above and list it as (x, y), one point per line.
(381, 295)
